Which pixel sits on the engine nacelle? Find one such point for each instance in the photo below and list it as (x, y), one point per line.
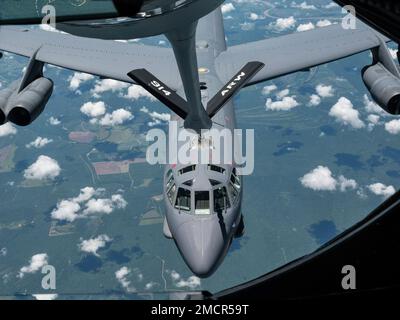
(5, 95)
(383, 86)
(24, 107)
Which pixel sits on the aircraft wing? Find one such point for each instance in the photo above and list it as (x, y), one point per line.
(298, 51)
(104, 58)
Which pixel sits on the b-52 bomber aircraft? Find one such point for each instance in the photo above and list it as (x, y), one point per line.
(196, 80)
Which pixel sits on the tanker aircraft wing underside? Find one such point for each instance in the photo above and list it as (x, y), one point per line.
(282, 55)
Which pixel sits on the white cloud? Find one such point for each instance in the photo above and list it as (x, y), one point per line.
(247, 26)
(78, 78)
(105, 205)
(323, 23)
(35, 264)
(117, 117)
(285, 23)
(7, 129)
(150, 285)
(71, 209)
(160, 116)
(157, 118)
(175, 275)
(227, 7)
(254, 16)
(382, 190)
(135, 92)
(97, 112)
(3, 252)
(305, 27)
(268, 89)
(118, 201)
(283, 93)
(94, 109)
(192, 282)
(331, 5)
(39, 142)
(345, 184)
(304, 6)
(373, 118)
(86, 194)
(372, 107)
(315, 100)
(104, 85)
(54, 121)
(319, 179)
(99, 206)
(45, 296)
(45, 168)
(393, 126)
(361, 193)
(121, 275)
(66, 210)
(285, 104)
(94, 244)
(324, 91)
(344, 113)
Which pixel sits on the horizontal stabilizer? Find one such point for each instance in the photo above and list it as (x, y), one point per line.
(233, 86)
(161, 91)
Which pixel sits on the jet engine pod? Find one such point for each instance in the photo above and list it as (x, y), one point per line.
(3, 102)
(2, 116)
(383, 86)
(30, 102)
(5, 95)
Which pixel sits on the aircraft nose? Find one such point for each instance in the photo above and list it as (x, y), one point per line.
(201, 244)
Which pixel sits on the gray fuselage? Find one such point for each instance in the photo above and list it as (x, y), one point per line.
(203, 202)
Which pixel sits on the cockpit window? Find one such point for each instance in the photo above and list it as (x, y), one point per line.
(216, 168)
(234, 185)
(221, 199)
(202, 202)
(170, 180)
(170, 186)
(188, 183)
(235, 180)
(233, 192)
(171, 193)
(183, 199)
(214, 182)
(187, 169)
